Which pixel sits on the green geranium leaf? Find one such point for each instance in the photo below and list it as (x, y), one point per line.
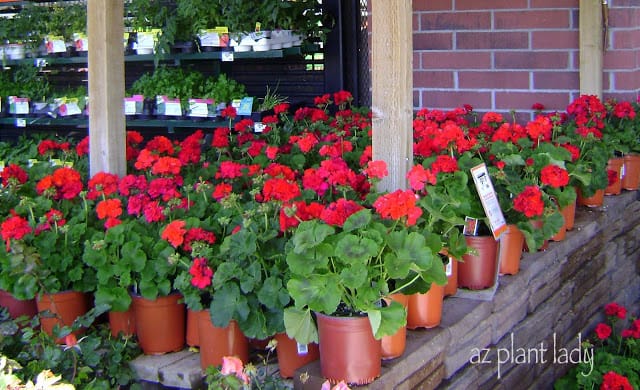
(355, 276)
(319, 292)
(226, 300)
(352, 249)
(310, 234)
(300, 326)
(386, 321)
(357, 220)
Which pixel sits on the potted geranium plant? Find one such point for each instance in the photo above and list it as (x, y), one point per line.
(342, 264)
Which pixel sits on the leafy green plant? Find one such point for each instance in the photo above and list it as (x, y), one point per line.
(30, 82)
(271, 99)
(223, 89)
(95, 361)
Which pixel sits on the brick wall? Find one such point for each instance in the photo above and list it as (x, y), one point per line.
(508, 54)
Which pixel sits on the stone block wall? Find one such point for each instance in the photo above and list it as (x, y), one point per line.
(557, 297)
(504, 55)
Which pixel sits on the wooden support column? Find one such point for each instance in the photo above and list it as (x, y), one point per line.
(591, 47)
(392, 88)
(107, 126)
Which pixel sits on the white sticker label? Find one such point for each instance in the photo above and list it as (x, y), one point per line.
(227, 56)
(303, 349)
(21, 122)
(259, 127)
(449, 268)
(129, 107)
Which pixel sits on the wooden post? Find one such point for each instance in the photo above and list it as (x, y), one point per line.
(392, 89)
(107, 126)
(591, 47)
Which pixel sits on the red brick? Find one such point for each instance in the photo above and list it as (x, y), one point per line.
(455, 21)
(523, 100)
(490, 5)
(432, 79)
(417, 63)
(493, 80)
(626, 3)
(559, 39)
(532, 60)
(447, 100)
(525, 20)
(455, 60)
(623, 17)
(620, 59)
(433, 41)
(432, 5)
(556, 80)
(630, 96)
(492, 40)
(555, 4)
(626, 81)
(626, 39)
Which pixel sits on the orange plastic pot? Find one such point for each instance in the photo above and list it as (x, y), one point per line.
(596, 200)
(425, 310)
(631, 176)
(160, 323)
(122, 322)
(216, 342)
(510, 252)
(192, 337)
(478, 271)
(348, 350)
(18, 307)
(61, 309)
(615, 164)
(292, 356)
(394, 345)
(569, 215)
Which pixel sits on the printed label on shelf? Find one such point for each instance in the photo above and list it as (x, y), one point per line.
(198, 108)
(227, 56)
(21, 122)
(173, 108)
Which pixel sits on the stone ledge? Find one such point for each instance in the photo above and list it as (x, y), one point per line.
(439, 357)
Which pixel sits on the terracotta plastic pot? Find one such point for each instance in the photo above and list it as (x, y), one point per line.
(216, 343)
(592, 201)
(511, 246)
(451, 268)
(615, 164)
(478, 271)
(569, 215)
(18, 307)
(348, 350)
(122, 322)
(631, 176)
(425, 310)
(394, 345)
(192, 337)
(292, 356)
(62, 309)
(160, 323)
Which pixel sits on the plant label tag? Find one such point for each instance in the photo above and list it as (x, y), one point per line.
(69, 108)
(489, 199)
(55, 44)
(31, 162)
(1, 166)
(449, 267)
(246, 104)
(18, 105)
(303, 349)
(55, 162)
(172, 108)
(470, 227)
(133, 105)
(259, 127)
(199, 108)
(21, 122)
(227, 56)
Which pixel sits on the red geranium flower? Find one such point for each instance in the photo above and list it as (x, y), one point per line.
(398, 204)
(109, 208)
(614, 381)
(376, 169)
(603, 331)
(14, 227)
(337, 212)
(554, 176)
(418, 176)
(201, 273)
(529, 202)
(174, 233)
(614, 309)
(13, 174)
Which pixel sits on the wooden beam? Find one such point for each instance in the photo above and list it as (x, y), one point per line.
(392, 89)
(591, 47)
(107, 126)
